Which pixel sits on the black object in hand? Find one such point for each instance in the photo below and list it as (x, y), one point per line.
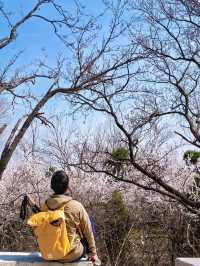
(24, 205)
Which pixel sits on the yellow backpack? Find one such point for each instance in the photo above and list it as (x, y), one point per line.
(50, 230)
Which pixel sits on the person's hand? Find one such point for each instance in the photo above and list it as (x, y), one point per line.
(94, 259)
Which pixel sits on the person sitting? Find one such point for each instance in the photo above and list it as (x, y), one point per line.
(80, 228)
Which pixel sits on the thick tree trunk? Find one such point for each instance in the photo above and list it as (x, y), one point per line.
(12, 144)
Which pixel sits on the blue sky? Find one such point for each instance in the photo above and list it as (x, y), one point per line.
(36, 40)
(35, 37)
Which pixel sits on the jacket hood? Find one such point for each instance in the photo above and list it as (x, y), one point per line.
(57, 201)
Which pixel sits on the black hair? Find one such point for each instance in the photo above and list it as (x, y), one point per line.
(59, 182)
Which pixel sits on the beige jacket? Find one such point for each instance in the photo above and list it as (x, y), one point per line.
(78, 224)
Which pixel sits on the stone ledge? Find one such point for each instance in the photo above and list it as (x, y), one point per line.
(187, 262)
(33, 259)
